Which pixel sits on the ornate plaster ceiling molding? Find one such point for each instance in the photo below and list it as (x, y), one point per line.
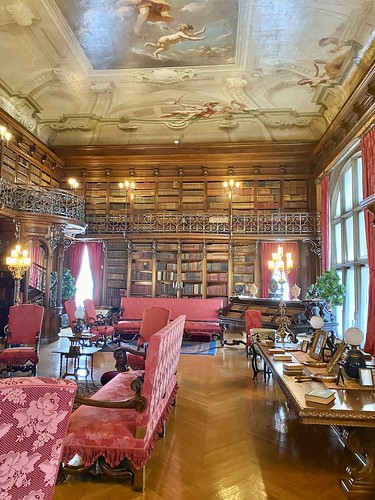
(18, 13)
(166, 76)
(21, 110)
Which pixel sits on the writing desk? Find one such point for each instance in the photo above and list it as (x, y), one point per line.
(352, 409)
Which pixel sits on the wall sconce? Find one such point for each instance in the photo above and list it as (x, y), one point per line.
(5, 134)
(18, 262)
(73, 183)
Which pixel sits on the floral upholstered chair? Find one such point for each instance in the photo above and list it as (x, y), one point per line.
(34, 416)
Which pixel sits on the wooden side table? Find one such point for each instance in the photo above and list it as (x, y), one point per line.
(75, 353)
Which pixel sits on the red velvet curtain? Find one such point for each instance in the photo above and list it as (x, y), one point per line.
(267, 249)
(96, 254)
(75, 257)
(325, 223)
(368, 174)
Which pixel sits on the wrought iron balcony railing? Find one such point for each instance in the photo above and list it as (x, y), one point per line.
(238, 224)
(35, 199)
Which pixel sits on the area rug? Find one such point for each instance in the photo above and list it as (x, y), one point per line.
(202, 348)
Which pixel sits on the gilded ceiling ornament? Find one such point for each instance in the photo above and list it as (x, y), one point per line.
(74, 123)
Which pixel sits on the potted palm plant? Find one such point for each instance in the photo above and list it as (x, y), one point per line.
(328, 288)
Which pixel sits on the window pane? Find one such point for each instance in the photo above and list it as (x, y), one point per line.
(337, 207)
(349, 314)
(362, 248)
(349, 239)
(337, 250)
(348, 190)
(359, 179)
(338, 312)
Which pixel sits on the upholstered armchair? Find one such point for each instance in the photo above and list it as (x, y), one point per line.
(97, 324)
(22, 335)
(153, 320)
(34, 419)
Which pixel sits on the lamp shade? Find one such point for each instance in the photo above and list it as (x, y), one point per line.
(316, 322)
(354, 336)
(80, 313)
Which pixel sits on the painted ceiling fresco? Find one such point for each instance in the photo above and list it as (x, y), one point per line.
(150, 71)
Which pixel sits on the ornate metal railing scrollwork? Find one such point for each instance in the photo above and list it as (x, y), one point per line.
(242, 224)
(35, 199)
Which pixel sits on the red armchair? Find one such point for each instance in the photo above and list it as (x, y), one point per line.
(33, 422)
(97, 324)
(153, 320)
(253, 319)
(22, 335)
(70, 308)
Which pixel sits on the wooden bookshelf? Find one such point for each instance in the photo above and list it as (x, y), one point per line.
(144, 197)
(243, 259)
(192, 264)
(217, 197)
(295, 196)
(217, 258)
(142, 270)
(268, 195)
(166, 269)
(168, 196)
(117, 200)
(96, 198)
(117, 271)
(244, 197)
(193, 196)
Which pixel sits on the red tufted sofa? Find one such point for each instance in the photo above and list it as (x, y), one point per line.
(202, 315)
(116, 429)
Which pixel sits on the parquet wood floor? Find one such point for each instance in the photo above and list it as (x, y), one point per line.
(228, 438)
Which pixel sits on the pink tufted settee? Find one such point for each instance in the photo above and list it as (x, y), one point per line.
(118, 426)
(202, 315)
(34, 415)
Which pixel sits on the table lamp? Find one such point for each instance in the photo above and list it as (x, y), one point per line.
(79, 324)
(354, 359)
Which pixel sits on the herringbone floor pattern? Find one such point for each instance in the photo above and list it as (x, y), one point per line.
(228, 438)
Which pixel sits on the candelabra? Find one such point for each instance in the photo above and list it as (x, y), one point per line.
(4, 134)
(280, 267)
(18, 263)
(73, 184)
(231, 185)
(129, 193)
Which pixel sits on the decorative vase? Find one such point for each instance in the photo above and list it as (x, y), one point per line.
(353, 362)
(295, 291)
(253, 290)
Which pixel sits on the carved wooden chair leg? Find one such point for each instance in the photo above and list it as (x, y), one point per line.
(139, 479)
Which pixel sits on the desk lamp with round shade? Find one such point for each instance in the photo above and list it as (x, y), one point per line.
(316, 323)
(354, 359)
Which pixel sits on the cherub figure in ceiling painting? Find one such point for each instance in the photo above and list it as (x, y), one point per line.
(149, 10)
(184, 32)
(334, 39)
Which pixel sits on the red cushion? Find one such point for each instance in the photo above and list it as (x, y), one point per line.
(19, 355)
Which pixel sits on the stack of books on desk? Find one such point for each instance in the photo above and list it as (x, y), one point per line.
(320, 396)
(282, 357)
(293, 368)
(276, 350)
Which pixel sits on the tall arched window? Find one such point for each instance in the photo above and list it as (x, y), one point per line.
(348, 249)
